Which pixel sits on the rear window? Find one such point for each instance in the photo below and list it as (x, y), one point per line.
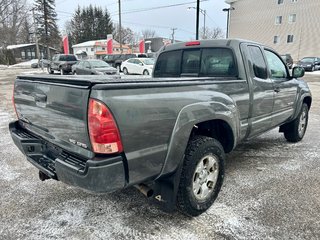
(206, 62)
(67, 58)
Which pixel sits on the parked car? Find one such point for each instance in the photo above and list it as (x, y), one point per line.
(115, 60)
(288, 60)
(166, 135)
(93, 67)
(62, 63)
(42, 63)
(309, 63)
(138, 66)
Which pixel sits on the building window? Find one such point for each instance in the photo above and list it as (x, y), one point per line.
(276, 39)
(103, 48)
(292, 18)
(278, 20)
(290, 39)
(23, 55)
(91, 49)
(280, 1)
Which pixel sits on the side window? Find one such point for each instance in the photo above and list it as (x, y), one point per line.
(131, 61)
(218, 62)
(86, 64)
(191, 62)
(168, 64)
(276, 66)
(258, 64)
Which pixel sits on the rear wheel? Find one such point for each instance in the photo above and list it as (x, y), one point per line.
(295, 130)
(146, 72)
(50, 71)
(125, 71)
(202, 175)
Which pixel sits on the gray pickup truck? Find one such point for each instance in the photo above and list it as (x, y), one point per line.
(166, 135)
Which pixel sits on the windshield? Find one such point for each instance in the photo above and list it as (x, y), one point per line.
(67, 58)
(99, 64)
(309, 59)
(147, 61)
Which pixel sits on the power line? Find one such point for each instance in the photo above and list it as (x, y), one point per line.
(155, 8)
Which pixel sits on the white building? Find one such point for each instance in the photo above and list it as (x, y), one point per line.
(96, 48)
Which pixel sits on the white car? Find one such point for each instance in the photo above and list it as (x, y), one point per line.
(138, 66)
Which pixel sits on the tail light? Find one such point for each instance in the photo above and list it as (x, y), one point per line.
(103, 130)
(13, 103)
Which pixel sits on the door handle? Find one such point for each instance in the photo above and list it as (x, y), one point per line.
(277, 90)
(40, 97)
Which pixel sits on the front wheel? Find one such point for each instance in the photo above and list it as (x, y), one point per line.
(312, 69)
(202, 175)
(145, 72)
(125, 71)
(295, 130)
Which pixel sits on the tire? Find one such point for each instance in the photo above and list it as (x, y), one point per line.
(196, 192)
(125, 71)
(61, 71)
(118, 68)
(312, 69)
(50, 71)
(295, 130)
(146, 72)
(74, 73)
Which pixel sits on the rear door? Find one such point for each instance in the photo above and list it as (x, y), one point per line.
(285, 88)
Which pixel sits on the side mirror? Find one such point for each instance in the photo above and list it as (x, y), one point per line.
(297, 72)
(141, 64)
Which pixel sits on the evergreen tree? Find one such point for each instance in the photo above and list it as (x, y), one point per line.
(46, 19)
(90, 23)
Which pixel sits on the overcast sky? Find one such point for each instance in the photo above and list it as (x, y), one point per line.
(160, 20)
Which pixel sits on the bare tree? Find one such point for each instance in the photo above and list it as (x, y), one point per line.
(213, 33)
(148, 33)
(13, 16)
(127, 35)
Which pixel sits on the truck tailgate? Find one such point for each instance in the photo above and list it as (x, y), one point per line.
(56, 110)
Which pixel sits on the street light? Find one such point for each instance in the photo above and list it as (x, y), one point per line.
(228, 17)
(204, 12)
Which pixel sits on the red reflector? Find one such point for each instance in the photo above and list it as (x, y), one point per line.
(194, 43)
(103, 130)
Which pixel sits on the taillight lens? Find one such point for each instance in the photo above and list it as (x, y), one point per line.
(13, 103)
(103, 130)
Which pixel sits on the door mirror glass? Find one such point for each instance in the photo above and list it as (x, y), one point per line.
(297, 72)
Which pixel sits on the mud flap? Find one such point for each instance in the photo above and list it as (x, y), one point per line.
(166, 189)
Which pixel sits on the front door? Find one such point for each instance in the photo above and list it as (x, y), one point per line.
(285, 88)
(262, 93)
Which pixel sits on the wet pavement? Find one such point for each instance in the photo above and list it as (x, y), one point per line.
(271, 191)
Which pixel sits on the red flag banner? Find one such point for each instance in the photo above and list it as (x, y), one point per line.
(110, 46)
(141, 46)
(65, 44)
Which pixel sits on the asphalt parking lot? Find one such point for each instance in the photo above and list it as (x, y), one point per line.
(271, 191)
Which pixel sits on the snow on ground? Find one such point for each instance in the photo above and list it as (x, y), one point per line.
(24, 64)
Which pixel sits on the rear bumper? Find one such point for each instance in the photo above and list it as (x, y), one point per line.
(104, 175)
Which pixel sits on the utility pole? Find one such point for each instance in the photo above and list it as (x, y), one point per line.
(36, 37)
(120, 37)
(173, 30)
(45, 13)
(197, 20)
